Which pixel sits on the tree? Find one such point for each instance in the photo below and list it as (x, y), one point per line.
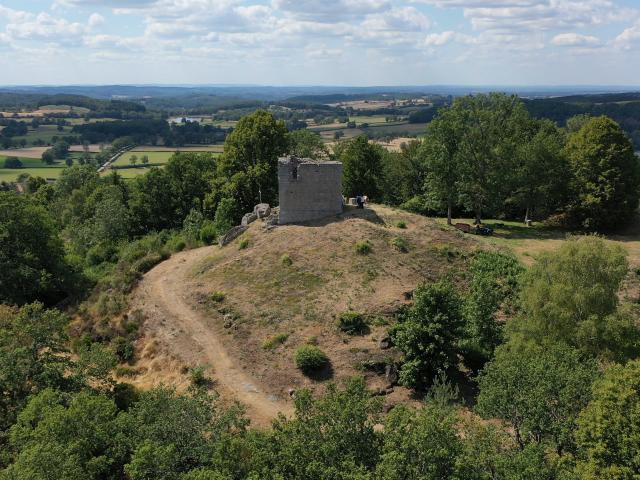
(307, 144)
(494, 287)
(32, 257)
(47, 157)
(361, 167)
(60, 149)
(145, 160)
(428, 335)
(32, 339)
(249, 165)
(441, 151)
(571, 296)
(419, 444)
(76, 435)
(605, 183)
(609, 427)
(331, 435)
(12, 162)
(539, 391)
(133, 159)
(68, 161)
(541, 173)
(493, 127)
(404, 174)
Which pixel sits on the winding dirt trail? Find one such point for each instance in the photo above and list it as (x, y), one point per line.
(188, 334)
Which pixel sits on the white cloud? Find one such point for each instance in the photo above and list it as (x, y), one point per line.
(95, 20)
(330, 10)
(629, 38)
(574, 40)
(443, 38)
(405, 19)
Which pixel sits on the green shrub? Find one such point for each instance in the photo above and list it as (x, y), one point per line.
(197, 376)
(310, 359)
(400, 244)
(102, 252)
(124, 349)
(401, 224)
(275, 341)
(352, 322)
(286, 260)
(208, 233)
(244, 243)
(217, 297)
(149, 261)
(363, 247)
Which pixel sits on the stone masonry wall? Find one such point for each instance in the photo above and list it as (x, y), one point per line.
(308, 190)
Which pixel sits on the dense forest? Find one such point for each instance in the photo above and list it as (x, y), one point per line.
(550, 351)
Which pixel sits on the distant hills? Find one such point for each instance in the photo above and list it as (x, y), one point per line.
(278, 93)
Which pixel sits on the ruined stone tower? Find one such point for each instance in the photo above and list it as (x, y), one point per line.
(308, 190)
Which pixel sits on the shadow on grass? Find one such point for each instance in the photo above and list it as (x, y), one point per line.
(321, 375)
(349, 212)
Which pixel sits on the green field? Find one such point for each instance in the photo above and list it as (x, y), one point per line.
(372, 120)
(35, 167)
(154, 157)
(44, 133)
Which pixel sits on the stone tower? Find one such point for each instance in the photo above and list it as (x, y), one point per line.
(308, 190)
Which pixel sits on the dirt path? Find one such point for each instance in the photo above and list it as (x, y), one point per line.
(186, 333)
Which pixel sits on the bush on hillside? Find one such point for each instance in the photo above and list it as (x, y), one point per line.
(352, 322)
(364, 247)
(310, 359)
(208, 233)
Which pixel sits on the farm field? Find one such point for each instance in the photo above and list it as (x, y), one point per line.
(158, 156)
(43, 133)
(34, 167)
(186, 148)
(36, 152)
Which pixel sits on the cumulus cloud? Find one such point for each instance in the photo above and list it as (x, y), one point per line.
(95, 20)
(443, 38)
(629, 38)
(330, 10)
(574, 40)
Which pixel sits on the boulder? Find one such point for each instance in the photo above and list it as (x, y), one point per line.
(385, 342)
(232, 234)
(248, 219)
(262, 210)
(391, 375)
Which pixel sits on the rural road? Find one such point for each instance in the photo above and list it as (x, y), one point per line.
(163, 296)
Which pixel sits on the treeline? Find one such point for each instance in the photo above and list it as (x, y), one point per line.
(486, 156)
(17, 101)
(150, 131)
(623, 108)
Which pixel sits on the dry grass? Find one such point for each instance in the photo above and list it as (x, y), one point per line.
(325, 278)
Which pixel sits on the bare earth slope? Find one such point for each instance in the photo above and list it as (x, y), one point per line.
(298, 298)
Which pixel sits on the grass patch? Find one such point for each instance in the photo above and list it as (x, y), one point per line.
(274, 342)
(364, 247)
(401, 224)
(243, 244)
(400, 244)
(352, 323)
(217, 297)
(286, 260)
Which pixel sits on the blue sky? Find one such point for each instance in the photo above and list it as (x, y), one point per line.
(321, 42)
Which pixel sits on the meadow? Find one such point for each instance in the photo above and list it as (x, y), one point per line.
(158, 156)
(35, 168)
